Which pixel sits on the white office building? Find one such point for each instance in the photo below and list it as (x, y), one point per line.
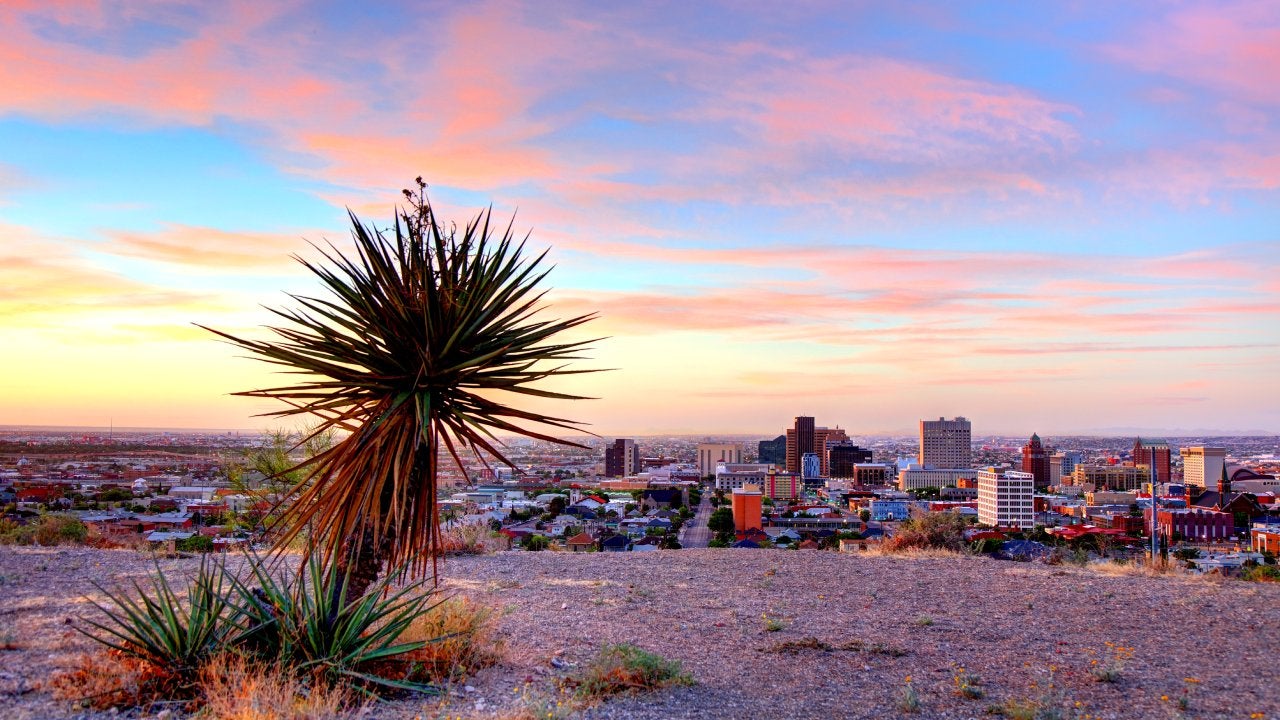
(1202, 466)
(1006, 498)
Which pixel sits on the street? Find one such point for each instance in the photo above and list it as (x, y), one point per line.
(695, 534)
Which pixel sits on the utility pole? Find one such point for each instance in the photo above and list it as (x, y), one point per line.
(1155, 526)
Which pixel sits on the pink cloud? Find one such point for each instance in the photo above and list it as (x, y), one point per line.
(1231, 47)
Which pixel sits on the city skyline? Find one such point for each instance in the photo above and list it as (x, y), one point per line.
(1045, 219)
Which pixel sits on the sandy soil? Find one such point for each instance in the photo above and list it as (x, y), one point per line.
(853, 629)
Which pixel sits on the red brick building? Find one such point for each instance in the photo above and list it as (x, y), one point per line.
(1194, 524)
(1035, 460)
(1154, 454)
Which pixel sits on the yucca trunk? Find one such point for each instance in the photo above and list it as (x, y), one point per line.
(367, 557)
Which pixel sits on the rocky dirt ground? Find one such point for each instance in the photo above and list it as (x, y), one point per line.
(848, 632)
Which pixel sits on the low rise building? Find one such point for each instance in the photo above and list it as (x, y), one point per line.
(1265, 537)
(914, 477)
(1193, 524)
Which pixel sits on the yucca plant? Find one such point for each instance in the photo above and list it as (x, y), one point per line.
(173, 635)
(407, 355)
(301, 621)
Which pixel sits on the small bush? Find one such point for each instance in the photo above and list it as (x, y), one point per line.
(467, 539)
(102, 681)
(623, 669)
(930, 531)
(458, 639)
(1261, 573)
(51, 529)
(195, 544)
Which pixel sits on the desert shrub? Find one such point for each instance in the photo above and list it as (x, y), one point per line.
(9, 530)
(196, 544)
(51, 529)
(232, 688)
(467, 539)
(625, 669)
(458, 639)
(1261, 573)
(930, 531)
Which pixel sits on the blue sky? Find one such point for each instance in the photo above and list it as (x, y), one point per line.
(1046, 218)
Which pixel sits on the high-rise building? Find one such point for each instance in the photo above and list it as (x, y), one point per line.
(773, 452)
(805, 438)
(1154, 453)
(1006, 498)
(1202, 465)
(712, 454)
(622, 458)
(1035, 460)
(946, 443)
(843, 457)
(799, 442)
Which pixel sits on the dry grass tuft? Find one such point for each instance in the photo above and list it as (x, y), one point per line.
(468, 539)
(1141, 567)
(460, 637)
(886, 549)
(233, 689)
(110, 679)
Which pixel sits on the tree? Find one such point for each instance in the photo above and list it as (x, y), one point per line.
(406, 355)
(721, 521)
(557, 505)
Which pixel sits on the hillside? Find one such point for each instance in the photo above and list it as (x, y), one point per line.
(853, 628)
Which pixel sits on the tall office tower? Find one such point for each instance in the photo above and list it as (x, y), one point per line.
(823, 439)
(621, 459)
(799, 442)
(712, 454)
(946, 443)
(772, 452)
(805, 438)
(1154, 453)
(1006, 498)
(843, 457)
(1202, 465)
(1035, 460)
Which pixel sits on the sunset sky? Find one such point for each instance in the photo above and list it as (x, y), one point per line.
(1052, 217)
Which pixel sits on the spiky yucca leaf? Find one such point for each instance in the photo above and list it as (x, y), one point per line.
(157, 626)
(302, 622)
(405, 353)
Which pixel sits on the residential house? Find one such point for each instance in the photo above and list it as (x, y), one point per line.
(616, 543)
(582, 542)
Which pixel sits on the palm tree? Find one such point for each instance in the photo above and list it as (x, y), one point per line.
(406, 357)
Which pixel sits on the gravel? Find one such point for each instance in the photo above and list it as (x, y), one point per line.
(853, 629)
